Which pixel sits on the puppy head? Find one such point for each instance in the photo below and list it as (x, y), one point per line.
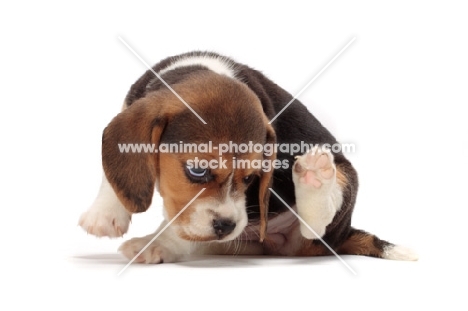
(234, 117)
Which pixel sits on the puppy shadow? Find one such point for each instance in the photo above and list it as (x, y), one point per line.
(207, 261)
(195, 261)
(102, 259)
(229, 261)
(219, 261)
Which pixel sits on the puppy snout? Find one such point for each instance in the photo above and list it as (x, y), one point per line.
(223, 227)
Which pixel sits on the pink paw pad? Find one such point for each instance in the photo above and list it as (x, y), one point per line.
(314, 168)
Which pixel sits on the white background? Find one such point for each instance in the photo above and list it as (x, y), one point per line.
(399, 93)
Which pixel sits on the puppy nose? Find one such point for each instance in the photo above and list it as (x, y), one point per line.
(223, 227)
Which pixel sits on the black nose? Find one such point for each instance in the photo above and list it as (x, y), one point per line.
(223, 227)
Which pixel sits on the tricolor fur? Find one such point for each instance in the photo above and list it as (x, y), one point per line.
(237, 103)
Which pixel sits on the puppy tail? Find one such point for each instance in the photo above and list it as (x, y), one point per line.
(363, 243)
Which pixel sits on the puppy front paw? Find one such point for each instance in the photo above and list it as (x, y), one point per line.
(101, 221)
(154, 253)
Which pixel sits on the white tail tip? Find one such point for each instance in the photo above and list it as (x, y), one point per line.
(397, 252)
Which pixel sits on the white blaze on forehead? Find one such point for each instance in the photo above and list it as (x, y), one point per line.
(217, 64)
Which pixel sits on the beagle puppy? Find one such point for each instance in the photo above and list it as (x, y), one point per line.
(246, 200)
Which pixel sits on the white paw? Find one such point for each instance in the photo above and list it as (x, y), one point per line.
(318, 196)
(105, 221)
(107, 216)
(154, 253)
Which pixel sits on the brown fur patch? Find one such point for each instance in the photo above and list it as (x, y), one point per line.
(133, 175)
(341, 178)
(266, 182)
(363, 243)
(312, 248)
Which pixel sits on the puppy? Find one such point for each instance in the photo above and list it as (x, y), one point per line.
(207, 99)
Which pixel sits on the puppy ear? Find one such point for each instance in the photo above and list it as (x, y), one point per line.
(133, 173)
(266, 181)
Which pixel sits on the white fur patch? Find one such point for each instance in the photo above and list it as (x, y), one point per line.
(107, 216)
(167, 247)
(397, 252)
(318, 195)
(201, 220)
(217, 64)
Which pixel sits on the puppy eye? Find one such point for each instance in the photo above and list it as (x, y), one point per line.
(198, 175)
(197, 172)
(248, 179)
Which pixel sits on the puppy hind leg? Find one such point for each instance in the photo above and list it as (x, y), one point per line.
(107, 216)
(318, 194)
